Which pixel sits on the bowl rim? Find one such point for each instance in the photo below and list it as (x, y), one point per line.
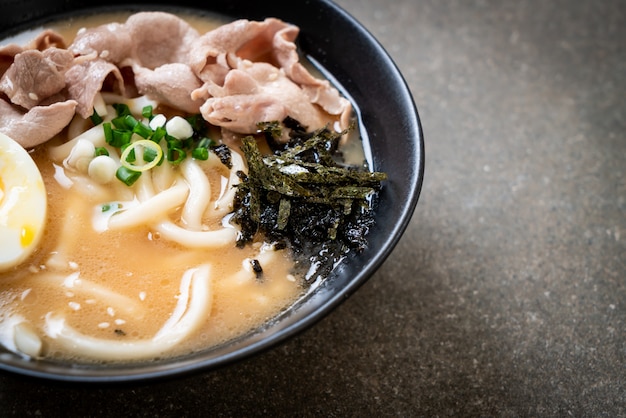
(265, 337)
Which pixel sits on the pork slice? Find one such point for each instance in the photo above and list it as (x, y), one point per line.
(36, 126)
(259, 92)
(244, 39)
(47, 38)
(35, 76)
(150, 44)
(148, 39)
(159, 38)
(319, 90)
(270, 40)
(171, 84)
(218, 53)
(111, 42)
(85, 79)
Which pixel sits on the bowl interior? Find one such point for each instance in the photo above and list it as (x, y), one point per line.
(364, 72)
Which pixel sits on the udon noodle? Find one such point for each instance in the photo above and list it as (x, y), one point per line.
(139, 272)
(155, 274)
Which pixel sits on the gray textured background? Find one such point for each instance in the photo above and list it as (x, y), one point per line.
(507, 295)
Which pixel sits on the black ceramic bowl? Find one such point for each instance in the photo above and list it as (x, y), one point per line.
(392, 132)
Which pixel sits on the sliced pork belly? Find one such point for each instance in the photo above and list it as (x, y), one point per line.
(159, 38)
(84, 81)
(170, 84)
(148, 39)
(35, 108)
(229, 57)
(47, 38)
(111, 42)
(219, 50)
(237, 75)
(35, 76)
(258, 92)
(155, 45)
(36, 126)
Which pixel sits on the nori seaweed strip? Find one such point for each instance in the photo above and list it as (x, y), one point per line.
(332, 175)
(284, 209)
(301, 197)
(264, 176)
(258, 270)
(223, 153)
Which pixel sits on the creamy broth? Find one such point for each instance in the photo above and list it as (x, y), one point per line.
(124, 286)
(92, 292)
(143, 271)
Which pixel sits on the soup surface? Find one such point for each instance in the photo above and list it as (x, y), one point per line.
(104, 287)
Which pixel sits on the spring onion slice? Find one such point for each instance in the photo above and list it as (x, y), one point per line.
(127, 176)
(101, 151)
(145, 143)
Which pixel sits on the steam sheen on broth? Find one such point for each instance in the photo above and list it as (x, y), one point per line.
(94, 292)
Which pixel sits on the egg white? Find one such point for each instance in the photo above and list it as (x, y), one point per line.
(23, 204)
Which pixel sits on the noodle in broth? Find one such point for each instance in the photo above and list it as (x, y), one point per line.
(143, 272)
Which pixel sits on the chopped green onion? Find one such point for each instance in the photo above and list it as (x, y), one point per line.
(130, 155)
(119, 123)
(130, 121)
(174, 143)
(96, 119)
(197, 123)
(108, 132)
(119, 137)
(101, 151)
(120, 133)
(125, 122)
(206, 142)
(142, 130)
(200, 153)
(127, 176)
(121, 109)
(176, 155)
(146, 112)
(158, 135)
(147, 145)
(149, 154)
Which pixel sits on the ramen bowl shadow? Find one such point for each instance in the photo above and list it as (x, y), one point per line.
(393, 137)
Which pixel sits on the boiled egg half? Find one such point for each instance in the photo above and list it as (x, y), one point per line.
(23, 204)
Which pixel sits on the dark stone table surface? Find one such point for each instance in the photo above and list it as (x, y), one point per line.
(506, 297)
